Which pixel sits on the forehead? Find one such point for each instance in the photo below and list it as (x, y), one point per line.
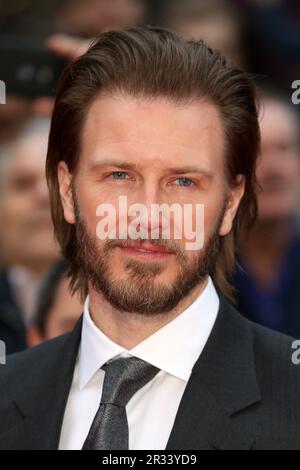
(28, 155)
(276, 120)
(151, 128)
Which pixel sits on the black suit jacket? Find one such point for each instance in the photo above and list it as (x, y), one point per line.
(243, 392)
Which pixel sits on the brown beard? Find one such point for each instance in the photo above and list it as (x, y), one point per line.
(140, 292)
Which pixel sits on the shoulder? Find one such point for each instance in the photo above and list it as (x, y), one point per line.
(32, 365)
(269, 346)
(278, 376)
(277, 357)
(266, 342)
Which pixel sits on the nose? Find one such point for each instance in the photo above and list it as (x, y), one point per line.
(148, 197)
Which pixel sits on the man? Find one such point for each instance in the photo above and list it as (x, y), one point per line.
(160, 359)
(267, 280)
(27, 243)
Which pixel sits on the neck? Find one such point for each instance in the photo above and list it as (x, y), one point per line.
(129, 329)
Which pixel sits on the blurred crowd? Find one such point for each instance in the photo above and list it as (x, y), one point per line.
(261, 36)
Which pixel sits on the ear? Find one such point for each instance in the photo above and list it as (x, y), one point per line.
(234, 197)
(65, 191)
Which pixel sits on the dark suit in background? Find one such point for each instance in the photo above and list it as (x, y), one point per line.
(278, 307)
(12, 327)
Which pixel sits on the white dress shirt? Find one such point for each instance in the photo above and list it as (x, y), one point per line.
(25, 287)
(151, 412)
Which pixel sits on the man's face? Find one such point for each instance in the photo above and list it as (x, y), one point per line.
(278, 171)
(27, 231)
(152, 152)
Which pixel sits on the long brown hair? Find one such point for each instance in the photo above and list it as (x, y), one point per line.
(151, 61)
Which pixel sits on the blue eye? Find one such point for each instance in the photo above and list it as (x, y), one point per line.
(185, 182)
(119, 175)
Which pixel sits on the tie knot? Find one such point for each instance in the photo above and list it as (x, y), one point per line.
(123, 378)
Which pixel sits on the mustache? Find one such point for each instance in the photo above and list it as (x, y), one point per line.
(159, 242)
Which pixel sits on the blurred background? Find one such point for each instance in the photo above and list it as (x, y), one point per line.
(37, 40)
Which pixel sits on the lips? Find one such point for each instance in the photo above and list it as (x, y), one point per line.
(147, 250)
(150, 248)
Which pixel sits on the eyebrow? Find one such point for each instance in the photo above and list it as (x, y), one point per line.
(119, 164)
(190, 169)
(133, 166)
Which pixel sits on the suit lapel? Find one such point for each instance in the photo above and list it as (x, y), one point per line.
(217, 410)
(40, 403)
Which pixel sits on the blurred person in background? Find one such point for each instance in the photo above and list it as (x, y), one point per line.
(57, 309)
(84, 18)
(273, 38)
(26, 236)
(216, 22)
(23, 22)
(13, 116)
(16, 112)
(88, 18)
(268, 278)
(28, 23)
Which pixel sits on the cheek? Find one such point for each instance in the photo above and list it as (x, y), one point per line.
(88, 201)
(212, 214)
(13, 211)
(294, 172)
(201, 225)
(90, 195)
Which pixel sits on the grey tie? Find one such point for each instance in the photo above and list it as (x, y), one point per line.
(123, 378)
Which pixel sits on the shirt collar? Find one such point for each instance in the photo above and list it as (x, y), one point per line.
(174, 348)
